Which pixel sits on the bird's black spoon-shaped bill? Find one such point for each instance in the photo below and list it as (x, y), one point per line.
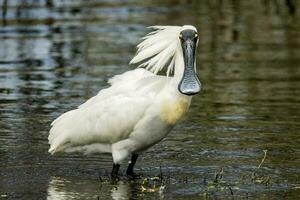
(189, 84)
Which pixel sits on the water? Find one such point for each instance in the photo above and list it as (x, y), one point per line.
(56, 54)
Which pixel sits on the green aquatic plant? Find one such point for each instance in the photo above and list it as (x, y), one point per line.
(261, 178)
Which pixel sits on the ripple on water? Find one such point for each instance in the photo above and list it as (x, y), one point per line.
(56, 54)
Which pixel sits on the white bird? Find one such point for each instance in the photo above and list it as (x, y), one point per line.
(140, 107)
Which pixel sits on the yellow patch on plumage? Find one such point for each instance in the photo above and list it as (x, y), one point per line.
(171, 112)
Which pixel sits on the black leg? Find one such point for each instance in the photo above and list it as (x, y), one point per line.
(114, 172)
(129, 172)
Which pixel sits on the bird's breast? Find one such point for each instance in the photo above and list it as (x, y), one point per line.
(172, 111)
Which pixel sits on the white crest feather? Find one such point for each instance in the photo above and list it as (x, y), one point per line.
(159, 48)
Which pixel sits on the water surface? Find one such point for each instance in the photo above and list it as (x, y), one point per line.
(56, 54)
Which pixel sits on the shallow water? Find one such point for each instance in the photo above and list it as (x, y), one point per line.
(56, 54)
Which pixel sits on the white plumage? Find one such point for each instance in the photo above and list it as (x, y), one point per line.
(137, 110)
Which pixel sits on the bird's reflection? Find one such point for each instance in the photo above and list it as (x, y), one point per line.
(121, 191)
(75, 188)
(55, 191)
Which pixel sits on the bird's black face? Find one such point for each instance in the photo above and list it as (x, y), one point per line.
(189, 84)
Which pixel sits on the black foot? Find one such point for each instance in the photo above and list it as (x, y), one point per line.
(114, 180)
(133, 176)
(129, 172)
(114, 173)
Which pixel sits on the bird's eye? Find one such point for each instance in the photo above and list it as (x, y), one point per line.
(196, 35)
(180, 36)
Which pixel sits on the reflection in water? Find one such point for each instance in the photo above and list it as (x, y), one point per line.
(55, 191)
(62, 189)
(55, 54)
(120, 191)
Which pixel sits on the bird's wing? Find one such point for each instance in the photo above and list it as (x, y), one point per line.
(129, 76)
(108, 117)
(123, 83)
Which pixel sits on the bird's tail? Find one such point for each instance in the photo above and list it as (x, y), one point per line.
(58, 136)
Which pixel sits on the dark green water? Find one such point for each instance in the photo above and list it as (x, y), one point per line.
(55, 54)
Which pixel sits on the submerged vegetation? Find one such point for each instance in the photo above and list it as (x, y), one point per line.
(55, 54)
(214, 185)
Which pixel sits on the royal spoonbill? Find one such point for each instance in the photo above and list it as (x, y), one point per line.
(140, 107)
